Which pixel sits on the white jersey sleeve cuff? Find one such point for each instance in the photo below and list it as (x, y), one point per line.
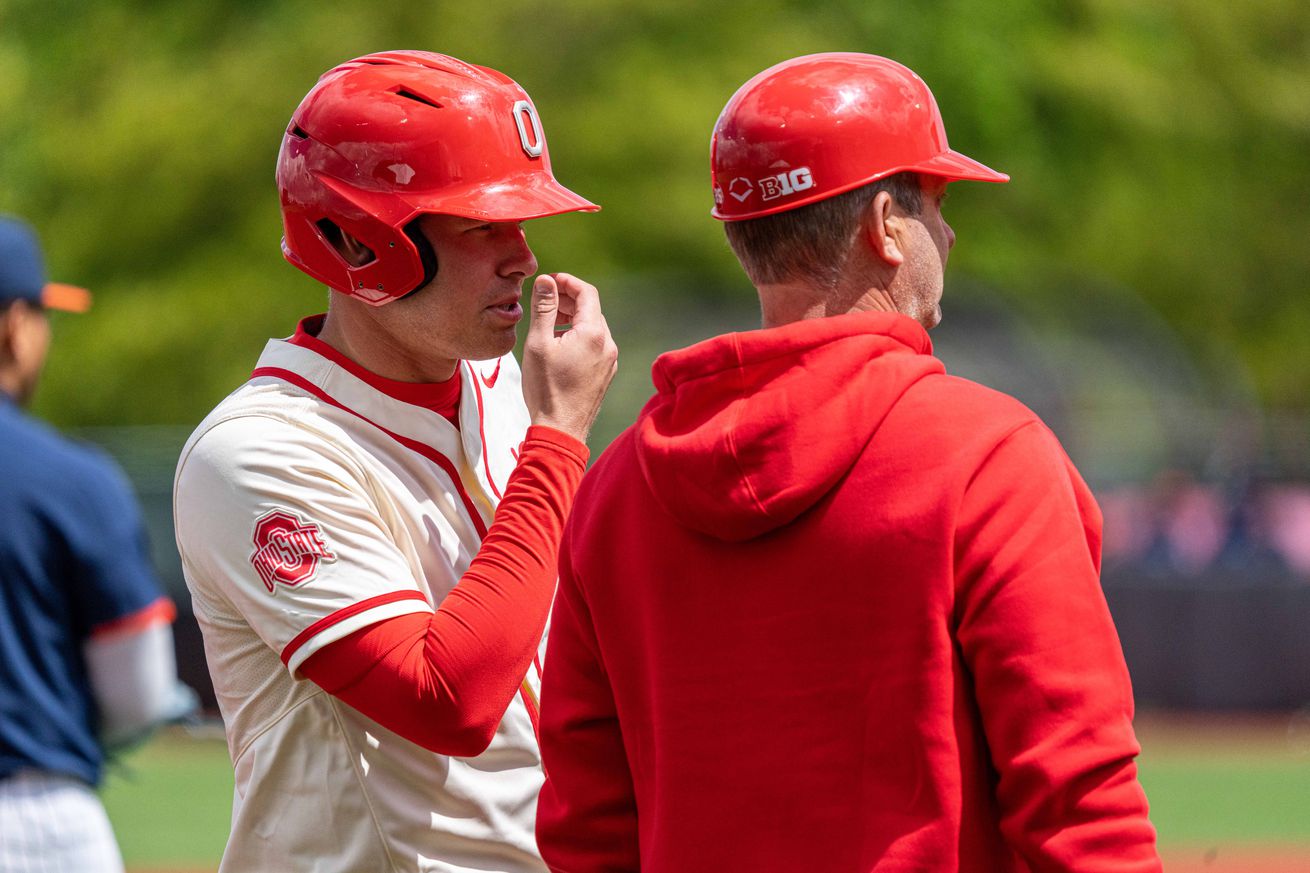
(345, 622)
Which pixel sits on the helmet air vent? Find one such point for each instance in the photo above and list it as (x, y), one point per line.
(418, 98)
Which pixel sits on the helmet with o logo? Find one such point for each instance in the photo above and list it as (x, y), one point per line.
(386, 138)
(820, 125)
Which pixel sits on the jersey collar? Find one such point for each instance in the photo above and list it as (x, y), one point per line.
(438, 396)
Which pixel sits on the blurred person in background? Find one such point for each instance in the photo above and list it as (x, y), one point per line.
(86, 646)
(1248, 527)
(824, 607)
(1189, 524)
(1287, 507)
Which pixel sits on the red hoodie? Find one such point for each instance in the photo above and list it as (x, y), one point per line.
(825, 608)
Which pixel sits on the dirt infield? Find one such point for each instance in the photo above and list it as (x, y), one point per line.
(1284, 732)
(1215, 860)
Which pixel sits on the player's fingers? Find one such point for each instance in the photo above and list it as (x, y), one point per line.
(584, 296)
(564, 315)
(545, 307)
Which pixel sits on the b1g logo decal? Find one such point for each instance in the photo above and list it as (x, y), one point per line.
(287, 549)
(786, 183)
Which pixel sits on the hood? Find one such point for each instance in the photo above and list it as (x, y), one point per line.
(748, 430)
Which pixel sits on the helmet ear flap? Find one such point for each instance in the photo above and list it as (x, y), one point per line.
(426, 254)
(397, 261)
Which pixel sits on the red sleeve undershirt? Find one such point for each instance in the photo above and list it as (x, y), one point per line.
(444, 680)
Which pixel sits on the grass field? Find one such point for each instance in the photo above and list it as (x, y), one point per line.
(171, 801)
(1228, 795)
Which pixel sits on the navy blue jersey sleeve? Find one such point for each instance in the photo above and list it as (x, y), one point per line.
(113, 576)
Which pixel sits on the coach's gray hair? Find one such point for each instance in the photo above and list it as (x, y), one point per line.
(813, 242)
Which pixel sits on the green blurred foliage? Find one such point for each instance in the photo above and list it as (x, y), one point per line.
(1157, 148)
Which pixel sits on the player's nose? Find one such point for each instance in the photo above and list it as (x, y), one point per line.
(517, 259)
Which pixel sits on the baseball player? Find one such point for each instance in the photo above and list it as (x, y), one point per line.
(369, 526)
(86, 644)
(824, 607)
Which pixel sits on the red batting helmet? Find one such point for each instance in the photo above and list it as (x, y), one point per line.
(820, 125)
(388, 137)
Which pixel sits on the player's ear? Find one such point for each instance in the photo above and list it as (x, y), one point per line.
(885, 230)
(352, 251)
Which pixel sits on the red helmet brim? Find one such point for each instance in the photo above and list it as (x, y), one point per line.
(516, 198)
(957, 167)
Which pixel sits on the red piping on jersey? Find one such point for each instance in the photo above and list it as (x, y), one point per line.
(532, 706)
(344, 613)
(422, 448)
(161, 611)
(482, 431)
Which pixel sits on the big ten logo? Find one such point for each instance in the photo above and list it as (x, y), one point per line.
(786, 183)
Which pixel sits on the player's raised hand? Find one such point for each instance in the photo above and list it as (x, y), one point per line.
(569, 356)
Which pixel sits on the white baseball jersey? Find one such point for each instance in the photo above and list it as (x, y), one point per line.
(310, 504)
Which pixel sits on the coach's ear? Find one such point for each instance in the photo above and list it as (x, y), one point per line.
(885, 229)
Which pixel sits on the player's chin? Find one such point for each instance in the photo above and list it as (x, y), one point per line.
(932, 317)
(496, 343)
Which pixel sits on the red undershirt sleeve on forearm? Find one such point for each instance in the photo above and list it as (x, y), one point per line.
(444, 680)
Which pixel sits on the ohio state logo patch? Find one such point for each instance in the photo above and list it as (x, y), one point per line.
(287, 549)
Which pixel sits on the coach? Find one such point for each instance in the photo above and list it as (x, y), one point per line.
(824, 607)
